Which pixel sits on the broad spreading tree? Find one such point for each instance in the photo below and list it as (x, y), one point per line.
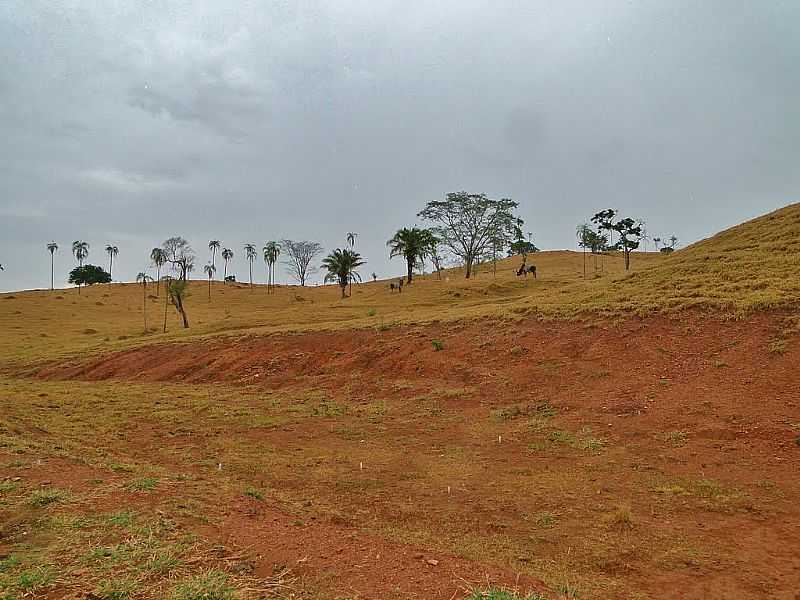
(88, 275)
(469, 225)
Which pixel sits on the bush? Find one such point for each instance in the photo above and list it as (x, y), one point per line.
(437, 345)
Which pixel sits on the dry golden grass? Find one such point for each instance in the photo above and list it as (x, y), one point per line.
(750, 267)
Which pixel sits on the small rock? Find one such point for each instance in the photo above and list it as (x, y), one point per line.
(417, 556)
(432, 562)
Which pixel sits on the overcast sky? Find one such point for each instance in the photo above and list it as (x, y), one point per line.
(126, 122)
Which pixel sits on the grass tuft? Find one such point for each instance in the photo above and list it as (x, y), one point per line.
(211, 586)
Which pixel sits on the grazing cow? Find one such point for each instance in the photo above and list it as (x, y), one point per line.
(524, 270)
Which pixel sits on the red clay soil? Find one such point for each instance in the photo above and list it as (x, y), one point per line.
(714, 377)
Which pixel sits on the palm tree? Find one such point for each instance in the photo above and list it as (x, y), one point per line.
(271, 251)
(209, 270)
(159, 257)
(250, 253)
(112, 252)
(143, 278)
(227, 256)
(52, 247)
(214, 245)
(411, 244)
(584, 233)
(81, 251)
(351, 239)
(342, 265)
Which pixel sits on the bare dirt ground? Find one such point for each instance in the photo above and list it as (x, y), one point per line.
(593, 459)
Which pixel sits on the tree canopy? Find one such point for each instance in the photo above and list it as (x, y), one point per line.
(341, 266)
(88, 275)
(412, 244)
(472, 226)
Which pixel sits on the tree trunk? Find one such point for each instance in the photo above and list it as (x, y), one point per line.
(52, 276)
(209, 289)
(627, 258)
(343, 287)
(584, 262)
(166, 306)
(144, 305)
(410, 270)
(158, 280)
(468, 268)
(251, 275)
(179, 305)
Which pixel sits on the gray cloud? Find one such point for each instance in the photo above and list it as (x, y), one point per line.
(246, 121)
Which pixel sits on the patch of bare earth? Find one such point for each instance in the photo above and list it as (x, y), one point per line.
(690, 424)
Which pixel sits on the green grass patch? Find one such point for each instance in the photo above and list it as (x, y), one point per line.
(46, 497)
(211, 586)
(116, 589)
(143, 484)
(254, 493)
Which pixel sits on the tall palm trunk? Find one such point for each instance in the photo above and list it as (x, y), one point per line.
(144, 305)
(251, 274)
(166, 306)
(52, 276)
(410, 264)
(110, 265)
(158, 280)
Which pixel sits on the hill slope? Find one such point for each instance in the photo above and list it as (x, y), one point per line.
(753, 266)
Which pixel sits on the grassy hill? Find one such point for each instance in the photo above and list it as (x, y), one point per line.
(753, 266)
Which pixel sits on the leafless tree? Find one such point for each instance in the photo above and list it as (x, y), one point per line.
(298, 258)
(180, 255)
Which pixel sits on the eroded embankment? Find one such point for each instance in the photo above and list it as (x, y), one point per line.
(621, 367)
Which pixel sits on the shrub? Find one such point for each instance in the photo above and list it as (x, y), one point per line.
(254, 493)
(438, 346)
